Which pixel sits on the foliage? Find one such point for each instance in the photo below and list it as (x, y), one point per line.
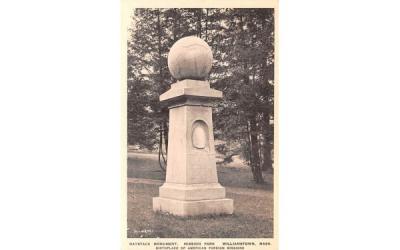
(242, 41)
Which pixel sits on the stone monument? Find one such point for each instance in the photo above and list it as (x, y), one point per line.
(191, 186)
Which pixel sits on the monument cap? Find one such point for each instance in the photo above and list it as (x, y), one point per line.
(190, 58)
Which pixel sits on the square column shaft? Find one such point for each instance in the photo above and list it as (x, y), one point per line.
(191, 186)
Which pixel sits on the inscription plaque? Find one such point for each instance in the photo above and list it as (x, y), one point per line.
(200, 135)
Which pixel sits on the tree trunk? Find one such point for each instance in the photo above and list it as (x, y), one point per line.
(267, 134)
(254, 148)
(257, 173)
(250, 151)
(175, 29)
(159, 48)
(166, 136)
(206, 24)
(160, 153)
(199, 22)
(267, 164)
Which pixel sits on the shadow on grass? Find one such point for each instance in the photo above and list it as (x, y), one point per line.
(252, 218)
(146, 166)
(197, 217)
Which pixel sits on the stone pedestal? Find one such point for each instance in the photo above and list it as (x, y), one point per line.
(191, 186)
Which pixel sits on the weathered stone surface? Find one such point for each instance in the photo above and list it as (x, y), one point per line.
(200, 135)
(190, 58)
(192, 192)
(186, 163)
(193, 89)
(193, 208)
(191, 186)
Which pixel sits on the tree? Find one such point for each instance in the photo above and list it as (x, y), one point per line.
(248, 84)
(242, 41)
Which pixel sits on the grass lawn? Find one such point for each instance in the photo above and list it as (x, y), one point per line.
(142, 165)
(253, 206)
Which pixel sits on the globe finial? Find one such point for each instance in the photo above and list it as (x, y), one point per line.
(190, 58)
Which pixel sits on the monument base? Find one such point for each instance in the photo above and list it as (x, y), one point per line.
(192, 192)
(192, 208)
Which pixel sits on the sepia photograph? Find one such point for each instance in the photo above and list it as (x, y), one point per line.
(200, 123)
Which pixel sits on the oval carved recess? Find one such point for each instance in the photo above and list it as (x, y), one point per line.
(200, 135)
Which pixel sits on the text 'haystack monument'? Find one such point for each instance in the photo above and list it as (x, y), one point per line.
(191, 186)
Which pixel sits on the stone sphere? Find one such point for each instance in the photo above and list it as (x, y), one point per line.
(190, 58)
